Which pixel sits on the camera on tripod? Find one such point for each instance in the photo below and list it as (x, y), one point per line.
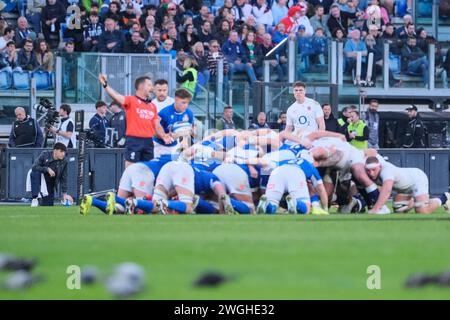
(50, 114)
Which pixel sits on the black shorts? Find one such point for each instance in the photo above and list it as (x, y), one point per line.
(138, 149)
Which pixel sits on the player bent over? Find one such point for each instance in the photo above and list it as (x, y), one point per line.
(411, 184)
(288, 178)
(137, 181)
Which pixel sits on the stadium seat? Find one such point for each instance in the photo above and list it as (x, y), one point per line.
(201, 82)
(43, 80)
(21, 80)
(5, 80)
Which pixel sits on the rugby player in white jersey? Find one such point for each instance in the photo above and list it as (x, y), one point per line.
(304, 114)
(336, 154)
(411, 185)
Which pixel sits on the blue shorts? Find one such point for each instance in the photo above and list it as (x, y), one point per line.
(138, 149)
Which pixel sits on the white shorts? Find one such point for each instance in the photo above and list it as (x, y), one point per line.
(234, 178)
(176, 174)
(137, 176)
(419, 186)
(290, 179)
(160, 149)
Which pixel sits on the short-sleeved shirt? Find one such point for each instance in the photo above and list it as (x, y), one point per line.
(302, 116)
(140, 116)
(172, 121)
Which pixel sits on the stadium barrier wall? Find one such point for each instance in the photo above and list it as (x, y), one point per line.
(104, 168)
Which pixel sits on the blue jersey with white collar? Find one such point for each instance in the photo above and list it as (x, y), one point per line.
(172, 121)
(155, 165)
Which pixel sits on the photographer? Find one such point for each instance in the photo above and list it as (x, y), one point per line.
(119, 123)
(52, 166)
(65, 132)
(98, 124)
(25, 131)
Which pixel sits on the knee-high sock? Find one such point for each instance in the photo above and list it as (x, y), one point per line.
(301, 207)
(205, 207)
(271, 208)
(120, 201)
(99, 204)
(177, 206)
(370, 194)
(240, 206)
(145, 205)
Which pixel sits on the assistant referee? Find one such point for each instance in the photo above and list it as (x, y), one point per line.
(142, 120)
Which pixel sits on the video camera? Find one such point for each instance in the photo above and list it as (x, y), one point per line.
(51, 115)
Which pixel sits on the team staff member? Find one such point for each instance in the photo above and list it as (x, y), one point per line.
(142, 120)
(358, 131)
(304, 114)
(25, 131)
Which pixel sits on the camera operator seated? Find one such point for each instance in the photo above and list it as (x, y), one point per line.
(51, 165)
(98, 124)
(65, 131)
(25, 131)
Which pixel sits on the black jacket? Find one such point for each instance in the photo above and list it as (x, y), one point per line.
(415, 134)
(331, 124)
(45, 160)
(341, 23)
(26, 134)
(108, 37)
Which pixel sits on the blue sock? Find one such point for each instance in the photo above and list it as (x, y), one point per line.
(99, 204)
(443, 198)
(205, 207)
(373, 197)
(240, 207)
(315, 198)
(301, 207)
(271, 208)
(120, 201)
(361, 201)
(145, 205)
(177, 206)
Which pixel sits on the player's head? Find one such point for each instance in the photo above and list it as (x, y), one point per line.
(59, 151)
(373, 167)
(143, 86)
(161, 89)
(182, 99)
(299, 91)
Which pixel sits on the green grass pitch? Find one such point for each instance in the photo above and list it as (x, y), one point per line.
(270, 257)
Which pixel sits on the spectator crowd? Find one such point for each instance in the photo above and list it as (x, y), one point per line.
(243, 32)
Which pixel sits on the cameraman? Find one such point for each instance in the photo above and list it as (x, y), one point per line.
(25, 131)
(52, 165)
(98, 124)
(65, 132)
(119, 123)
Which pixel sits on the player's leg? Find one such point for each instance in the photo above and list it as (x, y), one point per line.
(236, 183)
(422, 201)
(371, 190)
(298, 198)
(276, 187)
(403, 203)
(183, 180)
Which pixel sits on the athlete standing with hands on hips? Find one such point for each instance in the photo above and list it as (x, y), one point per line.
(304, 114)
(143, 122)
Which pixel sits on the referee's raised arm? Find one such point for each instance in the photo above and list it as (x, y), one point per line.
(110, 91)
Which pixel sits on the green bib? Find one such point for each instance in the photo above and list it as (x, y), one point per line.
(190, 85)
(359, 129)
